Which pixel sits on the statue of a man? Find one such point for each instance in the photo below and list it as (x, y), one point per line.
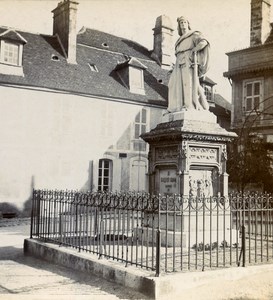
(192, 58)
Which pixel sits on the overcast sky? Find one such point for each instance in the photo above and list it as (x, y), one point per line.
(225, 23)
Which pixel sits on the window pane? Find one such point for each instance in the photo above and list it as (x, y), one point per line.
(143, 115)
(137, 131)
(100, 172)
(105, 181)
(100, 163)
(249, 89)
(143, 128)
(257, 102)
(106, 172)
(248, 104)
(106, 163)
(99, 181)
(257, 88)
(138, 118)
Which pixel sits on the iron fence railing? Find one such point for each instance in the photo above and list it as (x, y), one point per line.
(160, 233)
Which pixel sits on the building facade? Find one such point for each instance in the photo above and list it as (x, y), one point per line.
(73, 106)
(251, 73)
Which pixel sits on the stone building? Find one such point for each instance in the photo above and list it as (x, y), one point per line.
(73, 106)
(251, 73)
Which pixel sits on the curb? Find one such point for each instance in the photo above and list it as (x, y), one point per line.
(135, 278)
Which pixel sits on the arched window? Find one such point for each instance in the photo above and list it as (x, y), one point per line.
(105, 175)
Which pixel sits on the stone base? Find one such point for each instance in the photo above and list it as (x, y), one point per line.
(191, 115)
(187, 240)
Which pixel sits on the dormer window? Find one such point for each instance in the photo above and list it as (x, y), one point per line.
(131, 72)
(11, 53)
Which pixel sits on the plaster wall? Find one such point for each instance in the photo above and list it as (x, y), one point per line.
(54, 141)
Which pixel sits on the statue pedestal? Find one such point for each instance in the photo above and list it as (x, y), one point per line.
(188, 156)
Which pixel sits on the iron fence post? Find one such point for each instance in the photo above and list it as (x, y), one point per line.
(244, 245)
(101, 238)
(32, 214)
(158, 243)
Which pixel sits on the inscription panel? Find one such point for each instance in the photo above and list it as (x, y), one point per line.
(201, 154)
(168, 182)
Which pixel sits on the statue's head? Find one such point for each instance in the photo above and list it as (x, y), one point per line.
(179, 19)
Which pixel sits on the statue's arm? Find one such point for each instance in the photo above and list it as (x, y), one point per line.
(201, 45)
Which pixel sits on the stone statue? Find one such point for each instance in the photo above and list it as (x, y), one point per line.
(192, 58)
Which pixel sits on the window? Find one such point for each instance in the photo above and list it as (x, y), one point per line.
(208, 93)
(136, 80)
(252, 95)
(105, 175)
(10, 53)
(140, 127)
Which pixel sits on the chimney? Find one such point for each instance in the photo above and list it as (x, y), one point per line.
(260, 21)
(64, 25)
(163, 33)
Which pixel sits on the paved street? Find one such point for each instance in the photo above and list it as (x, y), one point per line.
(30, 278)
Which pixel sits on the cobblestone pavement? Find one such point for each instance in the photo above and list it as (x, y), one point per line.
(24, 277)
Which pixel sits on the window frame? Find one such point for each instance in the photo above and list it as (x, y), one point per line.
(136, 84)
(102, 177)
(252, 97)
(3, 44)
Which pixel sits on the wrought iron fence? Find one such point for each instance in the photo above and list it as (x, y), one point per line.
(160, 233)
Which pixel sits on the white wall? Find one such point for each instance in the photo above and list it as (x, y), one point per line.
(52, 138)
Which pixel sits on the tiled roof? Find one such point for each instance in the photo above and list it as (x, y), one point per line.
(219, 100)
(106, 41)
(42, 72)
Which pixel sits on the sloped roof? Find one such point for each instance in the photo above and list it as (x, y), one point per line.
(106, 41)
(219, 100)
(12, 35)
(42, 72)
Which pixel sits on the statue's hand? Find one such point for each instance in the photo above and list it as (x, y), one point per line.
(192, 53)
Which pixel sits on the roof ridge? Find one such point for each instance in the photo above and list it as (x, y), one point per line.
(22, 30)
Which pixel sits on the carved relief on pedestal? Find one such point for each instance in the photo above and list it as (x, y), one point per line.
(164, 153)
(203, 183)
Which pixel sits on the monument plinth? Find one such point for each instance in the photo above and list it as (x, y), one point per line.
(188, 155)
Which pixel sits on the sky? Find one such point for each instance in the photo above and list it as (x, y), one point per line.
(225, 23)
